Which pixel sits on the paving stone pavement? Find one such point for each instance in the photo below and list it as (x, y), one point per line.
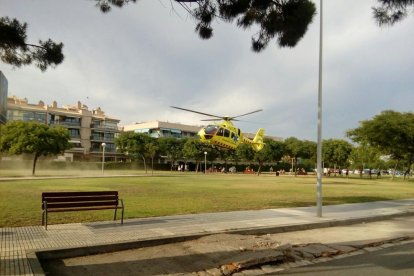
(18, 244)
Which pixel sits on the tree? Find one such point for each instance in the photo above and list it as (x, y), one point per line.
(336, 152)
(390, 12)
(19, 137)
(152, 150)
(194, 149)
(212, 154)
(273, 151)
(286, 20)
(245, 152)
(225, 155)
(15, 50)
(364, 156)
(133, 144)
(171, 148)
(391, 132)
(297, 149)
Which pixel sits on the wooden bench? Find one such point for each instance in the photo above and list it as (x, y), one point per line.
(80, 201)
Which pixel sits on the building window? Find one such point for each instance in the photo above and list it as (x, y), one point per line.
(27, 116)
(74, 133)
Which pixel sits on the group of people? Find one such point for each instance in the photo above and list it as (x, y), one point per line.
(248, 170)
(182, 168)
(215, 169)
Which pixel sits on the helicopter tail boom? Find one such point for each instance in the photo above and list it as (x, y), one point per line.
(258, 140)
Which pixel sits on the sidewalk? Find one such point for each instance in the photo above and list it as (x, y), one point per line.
(18, 244)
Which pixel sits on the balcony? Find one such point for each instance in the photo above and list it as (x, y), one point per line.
(109, 148)
(65, 123)
(97, 138)
(107, 127)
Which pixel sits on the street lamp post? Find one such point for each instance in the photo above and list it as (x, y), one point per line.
(205, 162)
(319, 144)
(103, 157)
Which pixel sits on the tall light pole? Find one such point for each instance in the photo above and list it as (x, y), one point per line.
(103, 157)
(205, 162)
(319, 145)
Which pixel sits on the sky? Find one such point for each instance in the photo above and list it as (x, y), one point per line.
(136, 62)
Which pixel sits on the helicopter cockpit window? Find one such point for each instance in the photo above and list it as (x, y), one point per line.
(226, 133)
(220, 132)
(211, 129)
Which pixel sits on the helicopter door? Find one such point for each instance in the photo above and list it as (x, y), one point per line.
(234, 137)
(220, 132)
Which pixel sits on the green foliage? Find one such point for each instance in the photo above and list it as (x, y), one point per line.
(300, 149)
(285, 20)
(19, 137)
(151, 149)
(336, 152)
(16, 51)
(245, 152)
(193, 149)
(390, 12)
(390, 132)
(172, 148)
(132, 144)
(105, 5)
(364, 156)
(274, 150)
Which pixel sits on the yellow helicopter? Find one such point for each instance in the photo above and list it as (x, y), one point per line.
(225, 134)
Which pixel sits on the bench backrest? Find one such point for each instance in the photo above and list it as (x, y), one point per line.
(80, 199)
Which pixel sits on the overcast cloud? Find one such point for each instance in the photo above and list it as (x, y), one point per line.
(137, 61)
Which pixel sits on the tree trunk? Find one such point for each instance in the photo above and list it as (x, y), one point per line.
(34, 163)
(395, 169)
(409, 167)
(145, 164)
(258, 170)
(172, 164)
(152, 165)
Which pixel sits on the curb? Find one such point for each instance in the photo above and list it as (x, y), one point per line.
(37, 256)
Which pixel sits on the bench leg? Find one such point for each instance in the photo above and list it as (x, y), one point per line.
(44, 215)
(122, 214)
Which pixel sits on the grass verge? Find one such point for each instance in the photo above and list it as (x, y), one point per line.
(182, 193)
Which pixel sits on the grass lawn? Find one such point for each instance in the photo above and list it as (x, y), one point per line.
(184, 193)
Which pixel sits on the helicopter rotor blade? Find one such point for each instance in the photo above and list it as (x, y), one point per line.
(209, 120)
(225, 118)
(189, 110)
(232, 118)
(215, 120)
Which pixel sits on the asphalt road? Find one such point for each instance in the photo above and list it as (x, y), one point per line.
(395, 260)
